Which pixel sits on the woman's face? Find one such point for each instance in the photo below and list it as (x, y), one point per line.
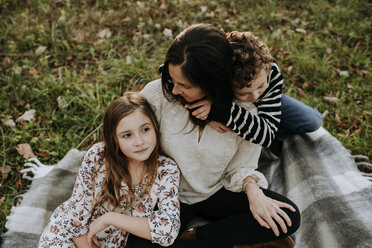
(182, 87)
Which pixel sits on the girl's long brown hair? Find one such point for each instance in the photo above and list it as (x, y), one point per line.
(116, 163)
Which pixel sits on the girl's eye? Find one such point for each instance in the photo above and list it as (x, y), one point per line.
(127, 135)
(146, 129)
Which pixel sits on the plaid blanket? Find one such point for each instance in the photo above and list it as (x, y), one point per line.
(314, 170)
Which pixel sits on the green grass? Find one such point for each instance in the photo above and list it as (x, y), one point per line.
(88, 71)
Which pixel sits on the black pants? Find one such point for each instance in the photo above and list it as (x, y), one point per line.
(231, 222)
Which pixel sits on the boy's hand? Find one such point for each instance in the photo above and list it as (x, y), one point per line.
(219, 127)
(203, 109)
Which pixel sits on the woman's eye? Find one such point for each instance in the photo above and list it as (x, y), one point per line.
(146, 129)
(125, 136)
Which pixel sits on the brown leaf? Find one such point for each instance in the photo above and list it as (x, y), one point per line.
(337, 118)
(25, 151)
(2, 200)
(5, 169)
(367, 113)
(305, 85)
(301, 92)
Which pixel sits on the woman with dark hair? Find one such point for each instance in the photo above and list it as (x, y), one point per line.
(219, 180)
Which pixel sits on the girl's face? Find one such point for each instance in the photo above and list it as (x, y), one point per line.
(182, 87)
(136, 136)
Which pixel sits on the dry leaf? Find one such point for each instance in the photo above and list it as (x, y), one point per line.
(7, 61)
(367, 113)
(105, 33)
(40, 50)
(300, 30)
(9, 123)
(25, 151)
(128, 60)
(344, 73)
(62, 104)
(2, 200)
(203, 9)
(337, 118)
(168, 33)
(17, 70)
(29, 115)
(305, 85)
(330, 99)
(5, 169)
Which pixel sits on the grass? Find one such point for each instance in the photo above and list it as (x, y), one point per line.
(88, 67)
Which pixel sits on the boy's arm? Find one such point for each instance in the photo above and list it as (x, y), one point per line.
(258, 128)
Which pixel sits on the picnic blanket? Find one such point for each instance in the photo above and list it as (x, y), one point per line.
(314, 170)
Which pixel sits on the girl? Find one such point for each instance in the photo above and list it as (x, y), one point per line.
(120, 183)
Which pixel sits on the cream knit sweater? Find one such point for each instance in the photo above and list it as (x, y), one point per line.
(216, 160)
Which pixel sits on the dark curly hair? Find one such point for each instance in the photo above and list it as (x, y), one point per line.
(251, 55)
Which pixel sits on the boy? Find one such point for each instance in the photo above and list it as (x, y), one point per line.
(257, 79)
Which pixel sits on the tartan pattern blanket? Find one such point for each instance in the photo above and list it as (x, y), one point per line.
(314, 170)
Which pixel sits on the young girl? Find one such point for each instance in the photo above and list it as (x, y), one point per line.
(119, 184)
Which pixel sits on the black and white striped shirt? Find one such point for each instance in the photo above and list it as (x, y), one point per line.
(259, 128)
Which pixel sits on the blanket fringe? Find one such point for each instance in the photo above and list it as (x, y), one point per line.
(37, 168)
(363, 164)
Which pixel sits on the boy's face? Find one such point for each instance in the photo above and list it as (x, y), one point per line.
(252, 93)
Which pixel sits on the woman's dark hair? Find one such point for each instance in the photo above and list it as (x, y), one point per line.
(205, 57)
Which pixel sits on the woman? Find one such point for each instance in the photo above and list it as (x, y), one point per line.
(215, 167)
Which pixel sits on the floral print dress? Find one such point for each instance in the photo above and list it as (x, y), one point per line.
(72, 218)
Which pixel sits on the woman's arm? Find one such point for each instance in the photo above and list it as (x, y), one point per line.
(82, 241)
(265, 209)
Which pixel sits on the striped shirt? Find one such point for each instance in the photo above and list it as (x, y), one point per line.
(259, 128)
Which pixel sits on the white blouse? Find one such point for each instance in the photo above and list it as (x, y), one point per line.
(216, 160)
(72, 218)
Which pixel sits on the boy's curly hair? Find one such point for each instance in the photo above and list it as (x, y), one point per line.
(251, 55)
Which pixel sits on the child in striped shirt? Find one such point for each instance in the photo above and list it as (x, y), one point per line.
(258, 80)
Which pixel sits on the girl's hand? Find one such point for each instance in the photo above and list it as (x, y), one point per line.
(265, 210)
(203, 109)
(219, 127)
(95, 227)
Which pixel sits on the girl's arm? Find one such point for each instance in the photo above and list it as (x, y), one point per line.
(135, 225)
(82, 241)
(161, 226)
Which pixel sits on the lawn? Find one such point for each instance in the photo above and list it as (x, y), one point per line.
(66, 60)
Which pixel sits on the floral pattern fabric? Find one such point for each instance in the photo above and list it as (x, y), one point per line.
(72, 218)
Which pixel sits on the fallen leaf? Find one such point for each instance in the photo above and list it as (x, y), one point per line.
(25, 151)
(168, 33)
(128, 60)
(329, 50)
(40, 50)
(9, 123)
(367, 113)
(344, 73)
(2, 200)
(29, 115)
(305, 85)
(62, 104)
(5, 169)
(337, 118)
(105, 33)
(301, 92)
(7, 61)
(300, 30)
(17, 70)
(330, 99)
(349, 86)
(276, 34)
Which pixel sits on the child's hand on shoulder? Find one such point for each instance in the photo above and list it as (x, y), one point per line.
(219, 127)
(203, 109)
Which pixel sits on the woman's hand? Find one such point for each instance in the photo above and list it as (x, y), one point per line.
(265, 210)
(203, 109)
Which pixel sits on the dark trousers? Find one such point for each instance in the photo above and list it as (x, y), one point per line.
(231, 219)
(231, 222)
